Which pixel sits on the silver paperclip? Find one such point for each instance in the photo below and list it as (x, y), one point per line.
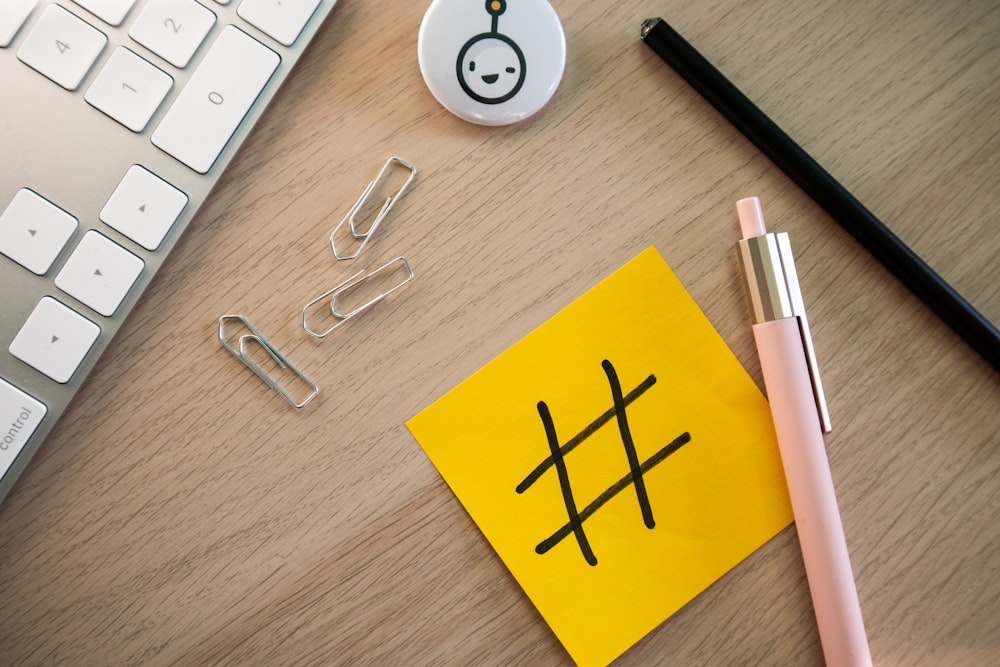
(240, 353)
(350, 218)
(347, 286)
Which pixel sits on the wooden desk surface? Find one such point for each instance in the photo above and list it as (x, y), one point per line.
(181, 513)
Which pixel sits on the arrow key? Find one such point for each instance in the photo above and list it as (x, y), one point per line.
(33, 231)
(54, 339)
(99, 273)
(144, 207)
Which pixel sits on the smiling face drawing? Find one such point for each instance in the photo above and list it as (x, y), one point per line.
(475, 57)
(491, 68)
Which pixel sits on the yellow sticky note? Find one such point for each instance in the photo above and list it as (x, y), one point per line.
(618, 459)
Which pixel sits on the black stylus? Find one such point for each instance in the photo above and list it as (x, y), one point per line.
(831, 196)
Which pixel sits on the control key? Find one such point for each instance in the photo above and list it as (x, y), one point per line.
(20, 415)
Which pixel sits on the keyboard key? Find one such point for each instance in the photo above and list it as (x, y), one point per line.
(218, 95)
(144, 207)
(54, 340)
(20, 415)
(33, 231)
(62, 47)
(129, 89)
(109, 11)
(172, 29)
(99, 273)
(13, 14)
(281, 19)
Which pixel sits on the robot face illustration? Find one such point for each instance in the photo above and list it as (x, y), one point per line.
(491, 68)
(475, 57)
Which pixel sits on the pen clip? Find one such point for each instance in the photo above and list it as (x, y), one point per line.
(799, 311)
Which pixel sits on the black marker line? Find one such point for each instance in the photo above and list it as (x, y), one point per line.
(611, 492)
(589, 430)
(575, 523)
(633, 457)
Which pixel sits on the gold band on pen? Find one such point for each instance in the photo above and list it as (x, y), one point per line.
(773, 287)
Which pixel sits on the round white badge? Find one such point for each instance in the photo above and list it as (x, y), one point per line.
(492, 62)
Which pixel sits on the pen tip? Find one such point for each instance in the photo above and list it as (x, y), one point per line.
(647, 26)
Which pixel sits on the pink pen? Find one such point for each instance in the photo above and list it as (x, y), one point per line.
(798, 407)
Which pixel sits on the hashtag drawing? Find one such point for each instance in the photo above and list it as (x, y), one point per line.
(634, 478)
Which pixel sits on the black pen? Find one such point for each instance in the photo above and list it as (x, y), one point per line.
(826, 191)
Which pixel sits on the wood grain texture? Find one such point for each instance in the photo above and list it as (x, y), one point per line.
(180, 513)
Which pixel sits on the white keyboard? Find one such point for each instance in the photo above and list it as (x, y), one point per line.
(116, 119)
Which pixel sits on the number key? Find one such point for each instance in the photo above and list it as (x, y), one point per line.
(281, 19)
(110, 11)
(62, 47)
(172, 29)
(211, 106)
(129, 89)
(13, 14)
